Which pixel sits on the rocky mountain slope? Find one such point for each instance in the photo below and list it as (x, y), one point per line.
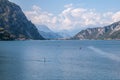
(108, 32)
(14, 22)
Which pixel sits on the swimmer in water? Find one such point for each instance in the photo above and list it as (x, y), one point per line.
(44, 60)
(80, 48)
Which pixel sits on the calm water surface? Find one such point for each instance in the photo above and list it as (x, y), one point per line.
(60, 60)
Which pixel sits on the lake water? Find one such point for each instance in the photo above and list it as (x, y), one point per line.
(60, 60)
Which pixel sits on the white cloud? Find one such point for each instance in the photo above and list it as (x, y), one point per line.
(71, 18)
(37, 16)
(36, 8)
(68, 5)
(116, 16)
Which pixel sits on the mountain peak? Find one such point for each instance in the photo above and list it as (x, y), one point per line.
(3, 0)
(108, 32)
(13, 20)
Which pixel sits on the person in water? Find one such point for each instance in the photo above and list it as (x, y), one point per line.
(44, 60)
(80, 48)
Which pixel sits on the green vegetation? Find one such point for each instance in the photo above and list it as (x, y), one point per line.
(5, 35)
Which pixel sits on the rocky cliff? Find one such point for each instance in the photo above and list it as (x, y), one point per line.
(13, 21)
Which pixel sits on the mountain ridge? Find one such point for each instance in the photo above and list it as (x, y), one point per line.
(14, 21)
(111, 31)
(47, 33)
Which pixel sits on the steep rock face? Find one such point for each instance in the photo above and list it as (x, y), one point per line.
(108, 32)
(13, 20)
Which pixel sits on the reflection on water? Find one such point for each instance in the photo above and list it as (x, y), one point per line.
(59, 60)
(105, 54)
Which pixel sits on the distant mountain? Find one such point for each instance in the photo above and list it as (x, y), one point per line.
(64, 34)
(14, 22)
(108, 32)
(47, 33)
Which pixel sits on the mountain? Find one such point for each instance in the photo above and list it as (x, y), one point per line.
(14, 22)
(47, 33)
(108, 32)
(65, 34)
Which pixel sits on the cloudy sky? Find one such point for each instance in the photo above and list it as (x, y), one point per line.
(71, 15)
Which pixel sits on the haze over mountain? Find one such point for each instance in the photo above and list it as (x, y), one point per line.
(47, 33)
(14, 24)
(65, 34)
(108, 32)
